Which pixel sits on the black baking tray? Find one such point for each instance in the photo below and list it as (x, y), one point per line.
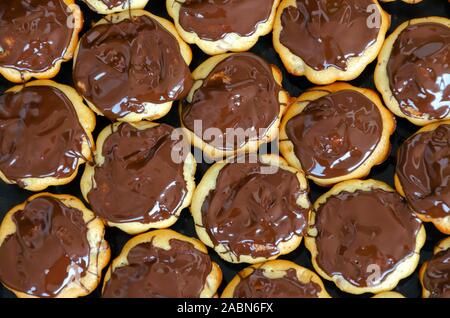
(11, 195)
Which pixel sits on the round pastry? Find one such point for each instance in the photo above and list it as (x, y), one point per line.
(234, 106)
(141, 179)
(219, 26)
(112, 6)
(251, 210)
(52, 246)
(422, 174)
(407, 1)
(37, 36)
(131, 66)
(389, 294)
(328, 40)
(336, 133)
(162, 263)
(367, 239)
(435, 273)
(412, 72)
(45, 134)
(275, 279)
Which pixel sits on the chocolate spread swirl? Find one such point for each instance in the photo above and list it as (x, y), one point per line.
(437, 275)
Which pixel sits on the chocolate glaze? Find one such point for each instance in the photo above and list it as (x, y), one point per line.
(40, 134)
(363, 234)
(114, 3)
(251, 211)
(48, 251)
(240, 92)
(419, 70)
(213, 19)
(335, 134)
(257, 285)
(138, 181)
(34, 34)
(120, 66)
(327, 33)
(437, 275)
(423, 169)
(153, 272)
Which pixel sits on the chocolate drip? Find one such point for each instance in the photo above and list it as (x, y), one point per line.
(437, 275)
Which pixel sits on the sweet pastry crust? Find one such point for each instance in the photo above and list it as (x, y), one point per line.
(232, 42)
(16, 76)
(99, 248)
(378, 155)
(136, 227)
(389, 294)
(161, 239)
(442, 224)
(355, 66)
(152, 111)
(403, 269)
(87, 120)
(100, 7)
(276, 269)
(443, 245)
(407, 1)
(201, 72)
(381, 77)
(208, 183)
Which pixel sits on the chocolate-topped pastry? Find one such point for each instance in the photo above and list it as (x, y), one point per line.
(218, 26)
(131, 66)
(52, 246)
(275, 279)
(36, 37)
(112, 6)
(422, 174)
(329, 40)
(251, 210)
(141, 179)
(356, 225)
(162, 264)
(234, 106)
(435, 273)
(336, 133)
(413, 70)
(45, 134)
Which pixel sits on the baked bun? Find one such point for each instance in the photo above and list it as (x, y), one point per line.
(142, 178)
(113, 6)
(389, 294)
(46, 134)
(234, 106)
(366, 238)
(275, 279)
(162, 263)
(36, 37)
(251, 209)
(336, 133)
(434, 274)
(412, 70)
(218, 26)
(422, 174)
(131, 66)
(327, 40)
(52, 246)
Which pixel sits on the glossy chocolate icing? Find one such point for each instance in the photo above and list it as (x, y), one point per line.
(240, 92)
(419, 70)
(213, 19)
(48, 251)
(423, 169)
(120, 66)
(327, 33)
(437, 275)
(34, 34)
(40, 134)
(364, 235)
(335, 134)
(153, 272)
(251, 211)
(257, 285)
(138, 181)
(114, 3)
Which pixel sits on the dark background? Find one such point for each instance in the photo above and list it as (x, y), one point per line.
(11, 195)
